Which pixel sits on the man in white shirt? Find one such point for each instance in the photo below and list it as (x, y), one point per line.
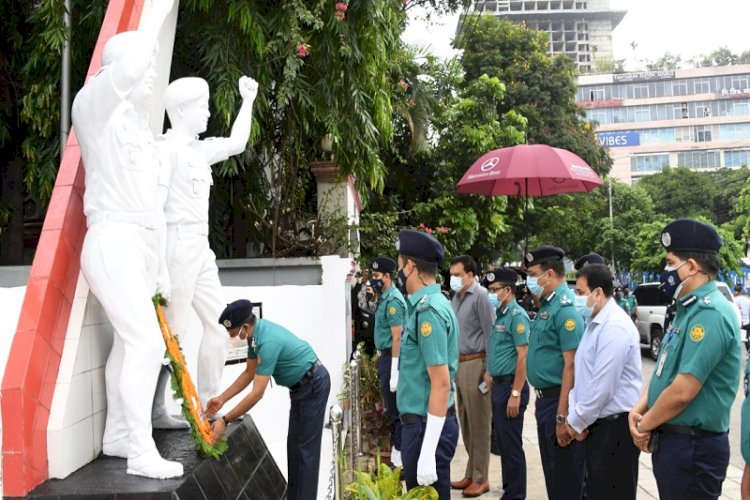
(607, 384)
(743, 303)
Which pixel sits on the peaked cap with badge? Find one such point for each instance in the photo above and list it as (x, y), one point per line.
(383, 264)
(419, 245)
(589, 259)
(544, 253)
(504, 275)
(236, 313)
(690, 235)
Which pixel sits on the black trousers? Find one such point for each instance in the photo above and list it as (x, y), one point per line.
(611, 461)
(306, 419)
(389, 398)
(564, 468)
(509, 440)
(412, 436)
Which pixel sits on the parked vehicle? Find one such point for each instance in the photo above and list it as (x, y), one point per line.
(652, 308)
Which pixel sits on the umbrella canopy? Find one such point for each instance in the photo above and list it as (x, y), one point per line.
(528, 170)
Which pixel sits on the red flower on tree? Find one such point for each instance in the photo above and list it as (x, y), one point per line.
(303, 50)
(341, 8)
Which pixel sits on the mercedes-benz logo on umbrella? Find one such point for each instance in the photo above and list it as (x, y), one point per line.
(489, 164)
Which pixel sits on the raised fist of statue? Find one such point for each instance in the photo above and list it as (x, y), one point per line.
(248, 88)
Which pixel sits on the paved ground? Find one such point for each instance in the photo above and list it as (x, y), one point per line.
(646, 482)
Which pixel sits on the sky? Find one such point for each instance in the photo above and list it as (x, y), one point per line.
(683, 27)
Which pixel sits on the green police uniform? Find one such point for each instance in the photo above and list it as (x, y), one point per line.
(745, 424)
(632, 303)
(391, 312)
(511, 330)
(280, 353)
(704, 342)
(557, 328)
(625, 305)
(430, 338)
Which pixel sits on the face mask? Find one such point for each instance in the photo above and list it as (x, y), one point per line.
(377, 285)
(494, 301)
(456, 283)
(401, 280)
(582, 305)
(670, 282)
(532, 283)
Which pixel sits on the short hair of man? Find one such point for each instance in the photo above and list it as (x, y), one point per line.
(470, 265)
(707, 261)
(556, 265)
(423, 266)
(597, 276)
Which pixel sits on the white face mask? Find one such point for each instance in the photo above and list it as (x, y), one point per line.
(457, 283)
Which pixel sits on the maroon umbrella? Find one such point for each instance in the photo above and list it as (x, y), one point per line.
(528, 170)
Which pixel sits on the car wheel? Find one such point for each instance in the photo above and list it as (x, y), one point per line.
(655, 343)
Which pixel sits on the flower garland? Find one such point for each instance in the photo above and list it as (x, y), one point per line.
(183, 388)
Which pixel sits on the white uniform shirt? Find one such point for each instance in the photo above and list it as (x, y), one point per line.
(743, 303)
(119, 155)
(186, 174)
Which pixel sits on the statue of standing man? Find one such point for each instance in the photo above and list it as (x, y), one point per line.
(121, 259)
(185, 184)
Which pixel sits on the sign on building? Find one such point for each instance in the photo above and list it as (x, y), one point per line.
(618, 139)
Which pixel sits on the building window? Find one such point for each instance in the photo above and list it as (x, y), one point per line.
(642, 114)
(739, 108)
(701, 109)
(739, 82)
(734, 131)
(648, 163)
(701, 86)
(679, 87)
(737, 158)
(640, 91)
(699, 159)
(702, 134)
(683, 134)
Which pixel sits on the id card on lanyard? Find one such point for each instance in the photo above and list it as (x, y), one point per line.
(664, 351)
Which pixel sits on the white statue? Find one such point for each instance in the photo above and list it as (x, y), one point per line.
(185, 184)
(120, 256)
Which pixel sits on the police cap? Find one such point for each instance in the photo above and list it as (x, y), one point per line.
(236, 313)
(383, 264)
(588, 259)
(419, 245)
(690, 235)
(544, 253)
(504, 275)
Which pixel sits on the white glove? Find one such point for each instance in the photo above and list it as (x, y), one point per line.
(426, 467)
(394, 374)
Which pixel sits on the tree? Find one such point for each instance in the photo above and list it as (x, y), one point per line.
(681, 192)
(519, 58)
(668, 61)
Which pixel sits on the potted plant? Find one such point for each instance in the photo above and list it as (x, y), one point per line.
(385, 484)
(375, 425)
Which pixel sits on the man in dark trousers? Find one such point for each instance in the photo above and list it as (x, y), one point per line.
(275, 351)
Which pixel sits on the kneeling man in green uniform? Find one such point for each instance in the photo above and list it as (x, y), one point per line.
(275, 351)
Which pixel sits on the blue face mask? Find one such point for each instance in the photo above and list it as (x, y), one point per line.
(494, 301)
(377, 285)
(670, 281)
(532, 283)
(581, 303)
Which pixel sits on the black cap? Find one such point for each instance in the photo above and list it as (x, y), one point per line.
(739, 288)
(383, 264)
(544, 253)
(420, 245)
(505, 275)
(236, 313)
(588, 259)
(690, 235)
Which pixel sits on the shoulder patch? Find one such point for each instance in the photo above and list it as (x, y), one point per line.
(425, 328)
(697, 333)
(570, 324)
(520, 328)
(392, 310)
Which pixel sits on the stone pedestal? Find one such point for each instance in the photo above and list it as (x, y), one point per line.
(246, 471)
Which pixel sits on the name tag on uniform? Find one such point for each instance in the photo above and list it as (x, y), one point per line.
(500, 328)
(662, 360)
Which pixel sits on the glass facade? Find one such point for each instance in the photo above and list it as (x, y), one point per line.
(648, 163)
(670, 111)
(728, 85)
(737, 158)
(699, 159)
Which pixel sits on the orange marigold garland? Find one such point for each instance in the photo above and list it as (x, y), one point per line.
(183, 388)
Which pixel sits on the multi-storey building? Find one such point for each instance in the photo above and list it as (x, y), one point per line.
(580, 29)
(697, 118)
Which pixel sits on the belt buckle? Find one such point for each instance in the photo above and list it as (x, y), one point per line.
(539, 394)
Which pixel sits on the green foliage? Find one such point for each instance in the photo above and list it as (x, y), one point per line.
(385, 484)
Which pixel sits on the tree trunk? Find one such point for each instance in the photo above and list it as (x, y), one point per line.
(11, 192)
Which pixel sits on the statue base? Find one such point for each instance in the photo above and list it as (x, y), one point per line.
(246, 471)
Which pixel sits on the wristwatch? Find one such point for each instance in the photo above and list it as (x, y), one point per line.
(514, 393)
(560, 419)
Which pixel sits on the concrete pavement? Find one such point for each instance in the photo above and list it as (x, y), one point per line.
(647, 490)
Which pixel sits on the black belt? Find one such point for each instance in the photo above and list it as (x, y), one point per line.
(547, 393)
(686, 430)
(413, 418)
(307, 376)
(603, 420)
(385, 353)
(502, 379)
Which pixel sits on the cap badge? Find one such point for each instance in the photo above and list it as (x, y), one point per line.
(666, 239)
(227, 323)
(490, 276)
(374, 265)
(529, 257)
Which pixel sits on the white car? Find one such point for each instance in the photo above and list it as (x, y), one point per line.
(652, 308)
